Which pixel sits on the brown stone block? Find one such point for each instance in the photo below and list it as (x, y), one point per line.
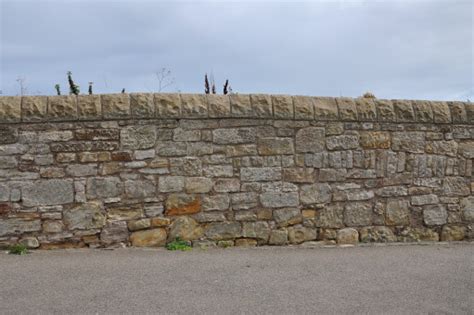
(10, 109)
(34, 108)
(89, 107)
(115, 106)
(142, 105)
(375, 140)
(219, 106)
(180, 204)
(62, 107)
(283, 107)
(262, 105)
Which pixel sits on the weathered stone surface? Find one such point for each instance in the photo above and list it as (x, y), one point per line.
(62, 107)
(114, 232)
(304, 108)
(185, 228)
(149, 238)
(219, 105)
(279, 199)
(422, 110)
(115, 106)
(397, 212)
(347, 236)
(139, 189)
(343, 142)
(48, 192)
(227, 185)
(181, 204)
(140, 224)
(89, 107)
(441, 112)
(234, 135)
(435, 214)
(16, 226)
(198, 185)
(375, 140)
(10, 109)
(366, 109)
(347, 108)
(288, 216)
(449, 148)
(403, 111)
(142, 105)
(299, 175)
(167, 105)
(325, 108)
(421, 200)
(300, 234)
(455, 186)
(282, 106)
(125, 212)
(103, 187)
(262, 105)
(392, 191)
(275, 146)
(171, 183)
(34, 108)
(255, 174)
(377, 234)
(310, 139)
(453, 233)
(194, 106)
(240, 105)
(138, 137)
(8, 135)
(315, 193)
(216, 202)
(413, 142)
(85, 216)
(418, 234)
(467, 208)
(358, 214)
(30, 242)
(466, 149)
(160, 222)
(278, 237)
(331, 216)
(259, 230)
(223, 230)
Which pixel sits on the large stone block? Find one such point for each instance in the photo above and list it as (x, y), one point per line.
(310, 140)
(149, 238)
(366, 109)
(194, 106)
(287, 216)
(85, 216)
(219, 105)
(234, 135)
(413, 142)
(467, 208)
(223, 230)
(181, 204)
(315, 193)
(343, 142)
(62, 107)
(10, 109)
(458, 112)
(466, 149)
(8, 135)
(422, 110)
(48, 192)
(275, 146)
(89, 107)
(114, 232)
(262, 105)
(325, 108)
(185, 228)
(385, 110)
(142, 105)
(397, 212)
(300, 234)
(216, 202)
(171, 183)
(34, 108)
(138, 189)
(331, 216)
(138, 137)
(259, 230)
(358, 214)
(403, 111)
(441, 112)
(282, 106)
(167, 105)
(347, 108)
(347, 236)
(455, 186)
(240, 105)
(435, 214)
(375, 140)
(304, 107)
(115, 106)
(103, 187)
(279, 199)
(377, 234)
(17, 226)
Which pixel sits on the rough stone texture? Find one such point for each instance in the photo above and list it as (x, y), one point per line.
(347, 236)
(236, 169)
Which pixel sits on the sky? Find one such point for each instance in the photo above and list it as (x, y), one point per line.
(412, 49)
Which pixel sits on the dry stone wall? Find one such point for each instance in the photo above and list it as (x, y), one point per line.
(143, 169)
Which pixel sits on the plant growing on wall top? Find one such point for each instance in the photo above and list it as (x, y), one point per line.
(73, 88)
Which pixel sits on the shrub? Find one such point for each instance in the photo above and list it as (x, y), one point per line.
(18, 249)
(178, 244)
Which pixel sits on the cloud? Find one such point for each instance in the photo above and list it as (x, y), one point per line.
(397, 49)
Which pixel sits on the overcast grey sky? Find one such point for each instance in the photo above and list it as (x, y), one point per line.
(396, 49)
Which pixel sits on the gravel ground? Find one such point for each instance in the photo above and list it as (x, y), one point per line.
(279, 280)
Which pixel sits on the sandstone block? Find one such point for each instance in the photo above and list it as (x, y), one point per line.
(216, 202)
(149, 238)
(262, 105)
(467, 208)
(234, 135)
(84, 216)
(89, 107)
(441, 112)
(342, 142)
(122, 212)
(10, 109)
(377, 234)
(240, 105)
(435, 214)
(198, 184)
(62, 107)
(103, 187)
(347, 108)
(421, 200)
(403, 111)
(223, 230)
(325, 108)
(171, 183)
(255, 174)
(48, 192)
(194, 106)
(299, 175)
(219, 105)
(315, 193)
(304, 108)
(466, 149)
(279, 199)
(142, 105)
(418, 234)
(310, 140)
(8, 135)
(288, 216)
(422, 110)
(275, 146)
(413, 142)
(139, 189)
(114, 232)
(397, 212)
(167, 105)
(358, 214)
(138, 137)
(453, 233)
(140, 224)
(115, 106)
(347, 236)
(185, 228)
(181, 204)
(300, 234)
(259, 230)
(385, 110)
(278, 237)
(458, 112)
(30, 242)
(331, 216)
(282, 106)
(227, 185)
(34, 108)
(455, 186)
(375, 140)
(17, 226)
(366, 109)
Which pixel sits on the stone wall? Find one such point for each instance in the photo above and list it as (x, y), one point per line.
(143, 169)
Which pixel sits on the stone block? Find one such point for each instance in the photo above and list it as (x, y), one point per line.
(422, 110)
(171, 183)
(347, 236)
(259, 230)
(234, 135)
(287, 216)
(18, 226)
(139, 224)
(441, 112)
(304, 107)
(8, 135)
(385, 110)
(262, 105)
(186, 229)
(142, 105)
(218, 171)
(455, 186)
(466, 149)
(375, 140)
(139, 189)
(198, 184)
(103, 187)
(421, 200)
(219, 106)
(397, 212)
(85, 216)
(240, 105)
(347, 108)
(435, 214)
(89, 107)
(300, 234)
(62, 107)
(282, 107)
(149, 238)
(377, 234)
(458, 112)
(124, 212)
(115, 106)
(403, 111)
(167, 105)
(316, 193)
(34, 108)
(299, 175)
(325, 108)
(10, 109)
(183, 204)
(343, 142)
(138, 137)
(223, 230)
(279, 199)
(366, 109)
(310, 140)
(453, 233)
(255, 174)
(47, 192)
(331, 216)
(413, 142)
(467, 208)
(194, 106)
(278, 237)
(216, 202)
(358, 214)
